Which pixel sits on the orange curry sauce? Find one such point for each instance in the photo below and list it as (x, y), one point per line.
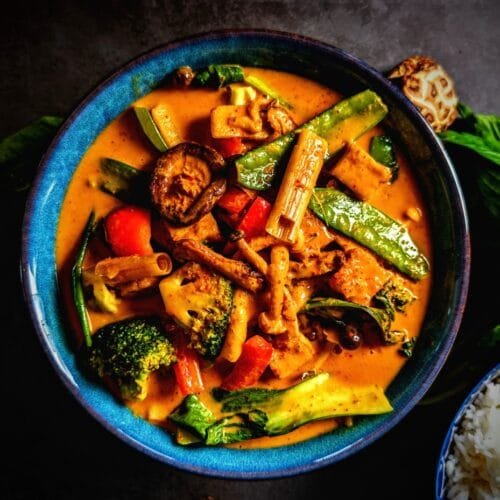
(190, 109)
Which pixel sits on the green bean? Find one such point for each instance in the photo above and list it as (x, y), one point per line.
(76, 280)
(150, 129)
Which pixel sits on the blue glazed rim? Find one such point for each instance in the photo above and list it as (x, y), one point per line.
(447, 443)
(38, 270)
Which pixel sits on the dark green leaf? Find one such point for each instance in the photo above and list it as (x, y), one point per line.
(408, 347)
(329, 307)
(234, 401)
(219, 75)
(394, 297)
(229, 430)
(193, 416)
(474, 142)
(489, 187)
(20, 153)
(123, 181)
(465, 111)
(382, 150)
(491, 339)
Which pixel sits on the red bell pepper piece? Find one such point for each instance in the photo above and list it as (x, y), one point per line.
(254, 221)
(187, 368)
(234, 201)
(128, 231)
(230, 147)
(255, 356)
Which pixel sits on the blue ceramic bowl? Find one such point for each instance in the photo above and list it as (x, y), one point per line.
(312, 59)
(455, 423)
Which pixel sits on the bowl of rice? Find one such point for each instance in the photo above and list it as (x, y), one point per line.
(469, 462)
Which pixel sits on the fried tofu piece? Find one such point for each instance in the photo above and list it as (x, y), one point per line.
(360, 277)
(360, 172)
(205, 229)
(290, 353)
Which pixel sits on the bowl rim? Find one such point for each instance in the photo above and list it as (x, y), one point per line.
(459, 216)
(440, 480)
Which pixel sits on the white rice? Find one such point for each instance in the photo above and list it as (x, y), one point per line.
(473, 466)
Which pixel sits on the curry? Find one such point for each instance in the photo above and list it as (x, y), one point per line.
(255, 269)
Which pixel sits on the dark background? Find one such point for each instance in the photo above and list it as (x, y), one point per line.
(52, 54)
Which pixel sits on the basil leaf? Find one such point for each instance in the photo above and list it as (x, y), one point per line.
(20, 152)
(478, 144)
(328, 307)
(482, 136)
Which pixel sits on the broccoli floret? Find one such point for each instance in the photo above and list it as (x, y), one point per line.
(200, 301)
(128, 351)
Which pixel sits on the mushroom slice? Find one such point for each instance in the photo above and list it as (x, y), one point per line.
(279, 120)
(180, 179)
(429, 87)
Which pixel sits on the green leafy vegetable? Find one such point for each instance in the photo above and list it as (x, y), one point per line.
(230, 430)
(407, 347)
(489, 187)
(280, 411)
(123, 181)
(329, 308)
(346, 121)
(394, 297)
(370, 227)
(481, 135)
(258, 412)
(21, 152)
(193, 416)
(77, 282)
(382, 150)
(491, 338)
(219, 75)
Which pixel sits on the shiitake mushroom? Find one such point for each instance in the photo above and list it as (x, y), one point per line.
(186, 182)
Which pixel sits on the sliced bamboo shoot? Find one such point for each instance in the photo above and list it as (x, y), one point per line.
(166, 127)
(297, 186)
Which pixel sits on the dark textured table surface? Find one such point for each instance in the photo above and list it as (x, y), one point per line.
(52, 54)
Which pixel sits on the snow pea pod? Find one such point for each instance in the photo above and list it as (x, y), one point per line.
(346, 121)
(150, 129)
(372, 228)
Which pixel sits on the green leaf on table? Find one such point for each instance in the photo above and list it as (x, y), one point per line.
(21, 152)
(474, 142)
(481, 135)
(491, 338)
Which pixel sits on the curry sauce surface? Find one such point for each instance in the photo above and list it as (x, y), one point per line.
(190, 109)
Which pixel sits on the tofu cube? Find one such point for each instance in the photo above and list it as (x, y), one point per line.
(358, 171)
